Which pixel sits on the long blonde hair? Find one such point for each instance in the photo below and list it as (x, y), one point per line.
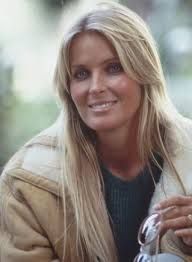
(81, 176)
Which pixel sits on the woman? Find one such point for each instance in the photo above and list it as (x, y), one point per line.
(79, 190)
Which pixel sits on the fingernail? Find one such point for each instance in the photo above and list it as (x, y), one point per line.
(157, 206)
(178, 232)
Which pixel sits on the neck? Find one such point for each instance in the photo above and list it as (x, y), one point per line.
(118, 151)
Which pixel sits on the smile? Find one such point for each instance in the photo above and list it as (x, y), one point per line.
(102, 106)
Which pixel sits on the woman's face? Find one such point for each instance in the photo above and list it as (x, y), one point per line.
(104, 95)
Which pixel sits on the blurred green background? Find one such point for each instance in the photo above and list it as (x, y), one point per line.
(30, 32)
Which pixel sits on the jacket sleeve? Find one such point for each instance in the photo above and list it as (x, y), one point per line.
(23, 238)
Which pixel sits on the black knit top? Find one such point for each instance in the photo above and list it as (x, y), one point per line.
(127, 203)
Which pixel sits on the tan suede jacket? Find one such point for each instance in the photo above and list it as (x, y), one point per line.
(31, 216)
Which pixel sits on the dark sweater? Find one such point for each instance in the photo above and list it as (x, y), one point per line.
(127, 204)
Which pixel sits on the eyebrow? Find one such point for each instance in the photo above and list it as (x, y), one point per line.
(104, 62)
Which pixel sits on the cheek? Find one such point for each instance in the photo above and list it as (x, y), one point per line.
(136, 92)
(132, 93)
(76, 94)
(130, 88)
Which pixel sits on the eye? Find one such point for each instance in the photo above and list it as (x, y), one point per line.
(114, 68)
(80, 74)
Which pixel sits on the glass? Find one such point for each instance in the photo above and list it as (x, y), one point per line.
(148, 238)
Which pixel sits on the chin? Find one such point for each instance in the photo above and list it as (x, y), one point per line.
(99, 127)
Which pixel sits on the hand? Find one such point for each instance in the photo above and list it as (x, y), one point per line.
(177, 215)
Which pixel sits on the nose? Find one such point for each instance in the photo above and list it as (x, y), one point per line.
(97, 84)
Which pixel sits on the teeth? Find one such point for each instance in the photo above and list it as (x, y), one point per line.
(102, 106)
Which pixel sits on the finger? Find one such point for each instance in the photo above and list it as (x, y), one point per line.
(174, 201)
(187, 240)
(176, 224)
(184, 232)
(176, 211)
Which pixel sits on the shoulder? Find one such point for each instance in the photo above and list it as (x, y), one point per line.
(182, 161)
(182, 158)
(186, 124)
(37, 162)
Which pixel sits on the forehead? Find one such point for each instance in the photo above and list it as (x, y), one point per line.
(89, 47)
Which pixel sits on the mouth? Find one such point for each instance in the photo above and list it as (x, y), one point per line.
(102, 106)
